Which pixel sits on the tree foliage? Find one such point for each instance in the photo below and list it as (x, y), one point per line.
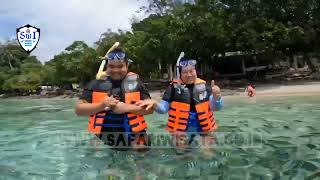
(203, 29)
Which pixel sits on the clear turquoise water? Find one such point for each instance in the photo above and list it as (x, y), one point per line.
(32, 146)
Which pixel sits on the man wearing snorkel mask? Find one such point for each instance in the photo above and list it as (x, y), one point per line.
(110, 103)
(190, 103)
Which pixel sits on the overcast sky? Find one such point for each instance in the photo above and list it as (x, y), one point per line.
(61, 22)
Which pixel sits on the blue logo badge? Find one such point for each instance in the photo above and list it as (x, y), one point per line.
(28, 37)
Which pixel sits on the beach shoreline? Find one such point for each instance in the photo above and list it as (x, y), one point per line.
(263, 90)
(267, 90)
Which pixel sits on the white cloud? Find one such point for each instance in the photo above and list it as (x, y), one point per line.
(62, 22)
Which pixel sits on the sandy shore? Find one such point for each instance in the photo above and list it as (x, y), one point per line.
(310, 88)
(289, 89)
(263, 90)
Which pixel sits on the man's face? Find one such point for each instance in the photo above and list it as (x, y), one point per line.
(117, 69)
(188, 75)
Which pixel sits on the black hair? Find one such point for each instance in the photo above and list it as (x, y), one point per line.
(250, 84)
(117, 49)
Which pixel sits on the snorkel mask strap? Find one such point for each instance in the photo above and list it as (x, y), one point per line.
(178, 64)
(101, 74)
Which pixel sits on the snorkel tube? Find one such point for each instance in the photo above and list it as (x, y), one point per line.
(101, 74)
(178, 64)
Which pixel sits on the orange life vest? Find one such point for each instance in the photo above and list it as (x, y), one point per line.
(131, 94)
(180, 107)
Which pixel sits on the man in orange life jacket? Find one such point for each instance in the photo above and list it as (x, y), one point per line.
(110, 103)
(190, 103)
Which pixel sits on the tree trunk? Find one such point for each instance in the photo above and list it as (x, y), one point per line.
(289, 61)
(174, 72)
(170, 72)
(206, 68)
(9, 55)
(311, 65)
(301, 62)
(257, 64)
(201, 69)
(243, 67)
(295, 62)
(9, 61)
(159, 66)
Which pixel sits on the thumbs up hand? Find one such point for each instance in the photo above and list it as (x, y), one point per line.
(216, 92)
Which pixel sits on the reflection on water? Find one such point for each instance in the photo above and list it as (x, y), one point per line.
(288, 130)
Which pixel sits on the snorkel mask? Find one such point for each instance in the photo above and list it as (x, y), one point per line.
(111, 56)
(183, 62)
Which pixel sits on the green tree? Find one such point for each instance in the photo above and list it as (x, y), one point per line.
(77, 64)
(19, 71)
